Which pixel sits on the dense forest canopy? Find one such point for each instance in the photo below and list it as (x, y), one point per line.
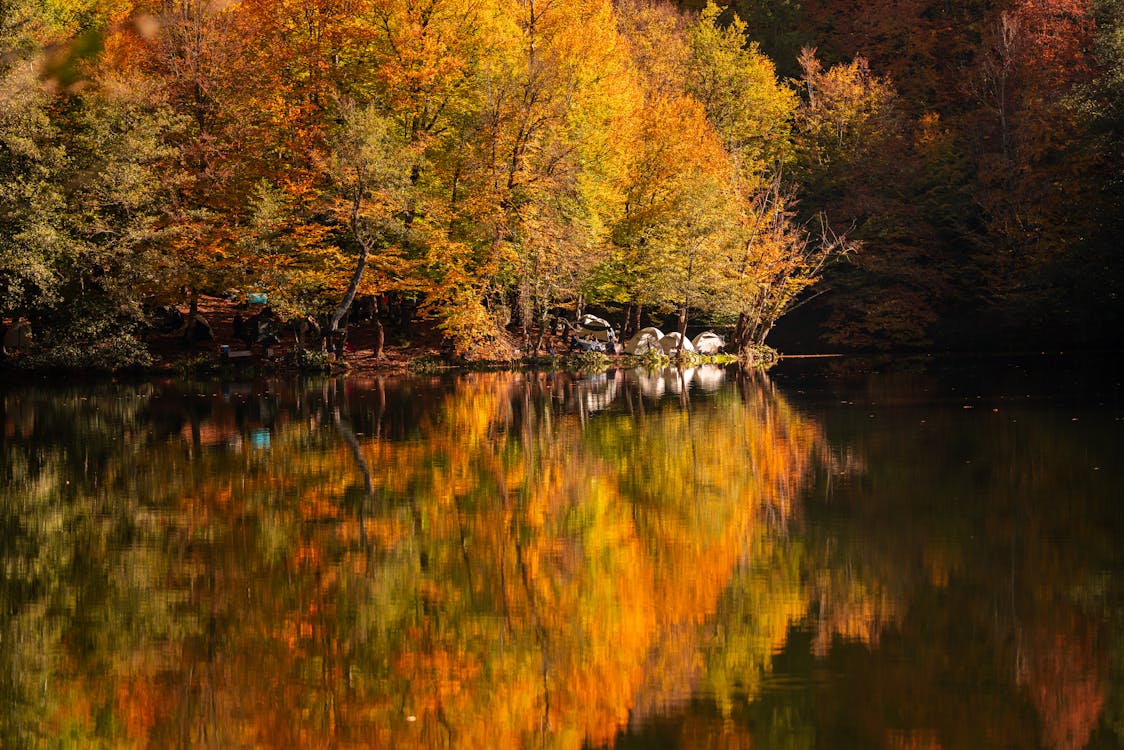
(494, 159)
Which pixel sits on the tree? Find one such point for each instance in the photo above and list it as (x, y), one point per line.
(679, 201)
(749, 108)
(86, 174)
(861, 163)
(196, 53)
(782, 259)
(372, 172)
(32, 247)
(558, 96)
(677, 210)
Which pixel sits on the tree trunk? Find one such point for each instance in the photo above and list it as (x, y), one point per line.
(682, 328)
(352, 288)
(360, 263)
(743, 335)
(543, 319)
(380, 338)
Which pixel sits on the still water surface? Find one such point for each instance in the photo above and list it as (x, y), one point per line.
(834, 556)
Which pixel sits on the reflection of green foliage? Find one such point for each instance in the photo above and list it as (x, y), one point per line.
(471, 577)
(66, 600)
(762, 602)
(471, 554)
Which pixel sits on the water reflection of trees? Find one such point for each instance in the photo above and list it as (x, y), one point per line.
(516, 560)
(472, 563)
(981, 547)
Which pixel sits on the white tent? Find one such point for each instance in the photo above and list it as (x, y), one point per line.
(708, 342)
(593, 327)
(670, 343)
(646, 340)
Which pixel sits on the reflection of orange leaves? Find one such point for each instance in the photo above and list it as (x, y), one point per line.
(672, 672)
(289, 634)
(73, 709)
(852, 610)
(913, 739)
(545, 589)
(384, 533)
(431, 591)
(1063, 678)
(939, 564)
(317, 505)
(437, 677)
(309, 555)
(139, 705)
(604, 620)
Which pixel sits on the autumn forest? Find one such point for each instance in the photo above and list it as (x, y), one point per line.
(916, 174)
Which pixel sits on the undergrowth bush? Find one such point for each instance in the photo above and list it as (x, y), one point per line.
(312, 360)
(92, 344)
(586, 362)
(427, 365)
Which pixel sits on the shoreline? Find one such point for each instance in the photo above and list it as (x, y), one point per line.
(420, 365)
(412, 348)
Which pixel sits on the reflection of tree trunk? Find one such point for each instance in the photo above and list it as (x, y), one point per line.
(356, 453)
(684, 401)
(352, 441)
(750, 382)
(461, 515)
(540, 632)
(380, 386)
(196, 437)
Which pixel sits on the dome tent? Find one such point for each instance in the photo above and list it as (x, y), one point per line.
(708, 342)
(646, 340)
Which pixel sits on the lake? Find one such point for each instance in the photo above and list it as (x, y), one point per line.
(841, 554)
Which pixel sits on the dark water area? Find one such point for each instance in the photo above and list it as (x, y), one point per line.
(842, 554)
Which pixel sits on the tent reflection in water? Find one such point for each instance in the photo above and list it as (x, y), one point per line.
(710, 377)
(651, 382)
(678, 380)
